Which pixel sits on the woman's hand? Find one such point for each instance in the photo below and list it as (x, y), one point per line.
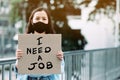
(60, 55)
(19, 53)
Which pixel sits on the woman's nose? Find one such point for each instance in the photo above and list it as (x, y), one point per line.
(40, 20)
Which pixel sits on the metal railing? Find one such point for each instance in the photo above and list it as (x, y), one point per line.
(101, 64)
(6, 65)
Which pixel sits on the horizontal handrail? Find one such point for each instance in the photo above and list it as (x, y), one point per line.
(7, 60)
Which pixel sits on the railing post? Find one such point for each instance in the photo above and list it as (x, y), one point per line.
(10, 72)
(105, 64)
(3, 69)
(90, 65)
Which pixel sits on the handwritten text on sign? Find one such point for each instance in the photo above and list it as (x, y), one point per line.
(39, 53)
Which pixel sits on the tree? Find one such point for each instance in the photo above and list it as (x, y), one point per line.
(15, 13)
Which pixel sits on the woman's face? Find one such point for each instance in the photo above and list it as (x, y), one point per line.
(40, 16)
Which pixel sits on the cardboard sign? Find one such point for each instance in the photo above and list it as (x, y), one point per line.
(39, 53)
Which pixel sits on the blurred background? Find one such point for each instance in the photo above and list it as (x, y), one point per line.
(84, 24)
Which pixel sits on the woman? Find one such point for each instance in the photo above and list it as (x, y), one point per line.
(39, 23)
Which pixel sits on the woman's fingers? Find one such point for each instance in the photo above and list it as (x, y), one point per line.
(60, 55)
(19, 53)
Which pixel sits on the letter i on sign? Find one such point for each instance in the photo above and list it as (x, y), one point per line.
(39, 40)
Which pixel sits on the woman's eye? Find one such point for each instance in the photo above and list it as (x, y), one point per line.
(44, 18)
(37, 18)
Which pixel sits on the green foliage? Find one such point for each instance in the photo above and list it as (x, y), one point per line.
(15, 14)
(16, 1)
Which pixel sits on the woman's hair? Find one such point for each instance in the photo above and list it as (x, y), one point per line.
(29, 28)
